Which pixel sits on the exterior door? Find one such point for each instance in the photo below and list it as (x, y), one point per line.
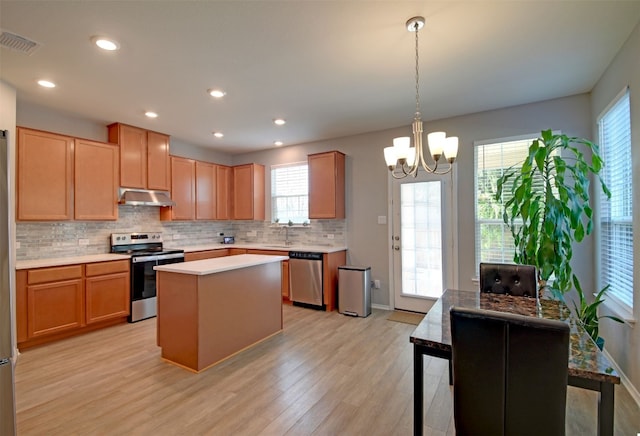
(422, 240)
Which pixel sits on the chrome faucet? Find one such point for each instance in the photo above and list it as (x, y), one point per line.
(286, 235)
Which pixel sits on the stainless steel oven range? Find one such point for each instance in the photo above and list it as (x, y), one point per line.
(146, 251)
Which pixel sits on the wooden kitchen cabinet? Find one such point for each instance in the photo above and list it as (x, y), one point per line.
(205, 254)
(223, 192)
(327, 185)
(183, 190)
(96, 180)
(248, 192)
(236, 251)
(45, 176)
(144, 157)
(55, 300)
(107, 291)
(205, 191)
(158, 161)
(330, 264)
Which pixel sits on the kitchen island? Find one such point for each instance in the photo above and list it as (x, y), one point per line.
(209, 310)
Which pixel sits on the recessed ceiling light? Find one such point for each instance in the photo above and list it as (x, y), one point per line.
(216, 93)
(218, 134)
(279, 121)
(105, 43)
(46, 84)
(277, 143)
(151, 114)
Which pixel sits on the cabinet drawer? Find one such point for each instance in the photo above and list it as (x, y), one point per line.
(209, 254)
(54, 274)
(268, 252)
(111, 267)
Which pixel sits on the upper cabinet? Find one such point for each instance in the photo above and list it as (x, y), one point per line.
(183, 190)
(223, 192)
(248, 192)
(96, 180)
(326, 185)
(45, 176)
(205, 191)
(62, 178)
(144, 157)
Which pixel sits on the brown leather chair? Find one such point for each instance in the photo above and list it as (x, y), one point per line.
(509, 373)
(503, 278)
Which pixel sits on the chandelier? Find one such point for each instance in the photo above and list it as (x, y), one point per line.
(404, 160)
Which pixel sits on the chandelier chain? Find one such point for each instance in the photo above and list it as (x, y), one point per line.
(417, 75)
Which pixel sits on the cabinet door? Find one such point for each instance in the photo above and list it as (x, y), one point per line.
(54, 307)
(107, 297)
(96, 180)
(248, 192)
(205, 191)
(208, 254)
(133, 154)
(45, 176)
(326, 185)
(158, 172)
(223, 188)
(183, 188)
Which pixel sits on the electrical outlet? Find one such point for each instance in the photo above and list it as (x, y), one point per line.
(176, 236)
(252, 233)
(329, 235)
(83, 242)
(382, 219)
(376, 284)
(17, 244)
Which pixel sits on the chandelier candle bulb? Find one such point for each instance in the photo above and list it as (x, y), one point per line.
(404, 160)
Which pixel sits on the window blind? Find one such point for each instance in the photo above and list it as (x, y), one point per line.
(290, 193)
(616, 231)
(494, 242)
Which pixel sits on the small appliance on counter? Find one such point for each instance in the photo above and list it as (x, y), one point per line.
(146, 252)
(228, 240)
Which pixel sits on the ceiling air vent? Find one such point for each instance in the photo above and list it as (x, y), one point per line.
(17, 43)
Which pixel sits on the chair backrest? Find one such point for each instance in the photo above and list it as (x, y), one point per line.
(509, 373)
(504, 278)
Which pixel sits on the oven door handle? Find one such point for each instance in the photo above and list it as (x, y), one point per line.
(157, 257)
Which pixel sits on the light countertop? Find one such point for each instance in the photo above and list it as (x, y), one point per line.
(219, 264)
(257, 246)
(91, 258)
(59, 261)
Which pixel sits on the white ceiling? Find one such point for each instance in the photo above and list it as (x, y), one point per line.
(330, 68)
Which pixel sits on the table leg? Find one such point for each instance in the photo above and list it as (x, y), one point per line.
(418, 387)
(605, 409)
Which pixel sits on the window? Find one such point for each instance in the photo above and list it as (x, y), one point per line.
(290, 193)
(616, 231)
(494, 242)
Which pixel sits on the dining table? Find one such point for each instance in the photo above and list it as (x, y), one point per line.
(589, 368)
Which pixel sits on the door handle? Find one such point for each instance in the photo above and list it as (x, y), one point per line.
(395, 247)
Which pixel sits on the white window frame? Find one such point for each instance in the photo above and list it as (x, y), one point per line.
(283, 219)
(507, 251)
(616, 298)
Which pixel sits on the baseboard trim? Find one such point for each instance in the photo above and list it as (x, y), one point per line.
(624, 379)
(380, 306)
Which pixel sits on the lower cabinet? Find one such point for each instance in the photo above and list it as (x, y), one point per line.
(54, 307)
(56, 302)
(205, 254)
(107, 291)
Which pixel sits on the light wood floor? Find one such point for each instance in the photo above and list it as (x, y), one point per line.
(326, 374)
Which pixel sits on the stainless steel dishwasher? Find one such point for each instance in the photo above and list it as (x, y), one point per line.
(305, 279)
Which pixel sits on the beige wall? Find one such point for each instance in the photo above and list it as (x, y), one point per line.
(622, 341)
(367, 179)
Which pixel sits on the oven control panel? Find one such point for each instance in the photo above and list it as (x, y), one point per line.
(135, 238)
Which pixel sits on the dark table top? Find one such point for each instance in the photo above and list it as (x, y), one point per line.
(585, 359)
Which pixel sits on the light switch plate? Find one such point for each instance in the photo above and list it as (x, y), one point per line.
(382, 219)
(83, 242)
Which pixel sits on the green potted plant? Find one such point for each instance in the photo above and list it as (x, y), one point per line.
(547, 208)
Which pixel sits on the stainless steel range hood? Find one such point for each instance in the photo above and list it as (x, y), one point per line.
(143, 197)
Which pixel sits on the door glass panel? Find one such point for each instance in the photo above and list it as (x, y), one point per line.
(421, 239)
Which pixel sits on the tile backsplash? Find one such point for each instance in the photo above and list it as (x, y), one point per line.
(40, 240)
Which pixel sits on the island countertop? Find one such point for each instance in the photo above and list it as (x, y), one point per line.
(219, 264)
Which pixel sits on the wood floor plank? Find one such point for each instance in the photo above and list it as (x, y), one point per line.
(325, 374)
